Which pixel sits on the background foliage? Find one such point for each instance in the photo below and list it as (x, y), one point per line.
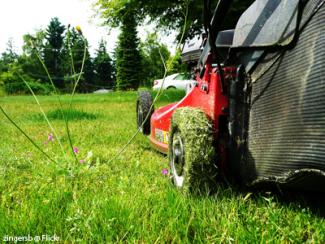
(154, 54)
(168, 14)
(132, 64)
(62, 50)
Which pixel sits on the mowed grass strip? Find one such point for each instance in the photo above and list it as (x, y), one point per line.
(128, 200)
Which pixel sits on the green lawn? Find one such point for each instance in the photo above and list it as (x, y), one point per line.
(128, 199)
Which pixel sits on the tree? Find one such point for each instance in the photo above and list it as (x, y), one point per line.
(174, 63)
(169, 14)
(128, 58)
(8, 57)
(15, 69)
(9, 66)
(103, 67)
(153, 66)
(29, 61)
(52, 50)
(74, 49)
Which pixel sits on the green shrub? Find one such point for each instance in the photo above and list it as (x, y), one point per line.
(21, 88)
(12, 83)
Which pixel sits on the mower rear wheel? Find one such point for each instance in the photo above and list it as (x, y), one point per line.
(191, 151)
(144, 103)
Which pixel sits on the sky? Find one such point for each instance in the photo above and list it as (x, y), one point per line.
(19, 17)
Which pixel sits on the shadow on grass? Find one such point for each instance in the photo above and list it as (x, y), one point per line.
(314, 201)
(288, 197)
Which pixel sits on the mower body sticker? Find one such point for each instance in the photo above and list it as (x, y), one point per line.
(161, 136)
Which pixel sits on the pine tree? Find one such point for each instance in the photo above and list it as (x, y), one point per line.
(103, 66)
(52, 52)
(128, 58)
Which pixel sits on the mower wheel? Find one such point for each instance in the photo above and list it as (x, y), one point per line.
(191, 151)
(144, 103)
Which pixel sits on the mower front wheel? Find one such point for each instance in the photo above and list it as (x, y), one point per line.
(144, 103)
(191, 151)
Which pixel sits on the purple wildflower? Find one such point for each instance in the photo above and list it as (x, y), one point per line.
(164, 172)
(75, 150)
(82, 161)
(50, 137)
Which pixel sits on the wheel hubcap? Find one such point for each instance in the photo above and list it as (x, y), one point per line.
(177, 160)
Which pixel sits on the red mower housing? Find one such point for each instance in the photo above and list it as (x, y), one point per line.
(209, 95)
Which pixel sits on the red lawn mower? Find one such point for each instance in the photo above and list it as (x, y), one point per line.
(257, 111)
